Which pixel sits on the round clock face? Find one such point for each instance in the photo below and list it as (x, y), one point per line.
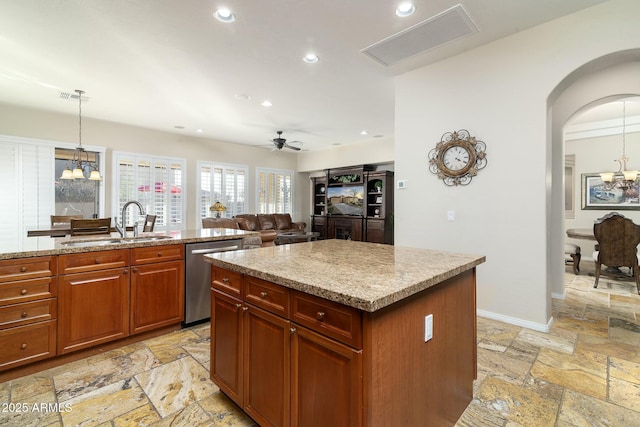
(456, 158)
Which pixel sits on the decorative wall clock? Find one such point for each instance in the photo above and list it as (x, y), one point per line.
(457, 158)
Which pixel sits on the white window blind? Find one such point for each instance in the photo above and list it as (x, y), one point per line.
(226, 184)
(157, 183)
(275, 190)
(28, 197)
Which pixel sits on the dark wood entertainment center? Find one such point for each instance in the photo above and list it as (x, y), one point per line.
(353, 203)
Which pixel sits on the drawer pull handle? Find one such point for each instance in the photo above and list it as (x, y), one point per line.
(23, 269)
(24, 314)
(245, 308)
(159, 253)
(23, 346)
(238, 305)
(125, 271)
(96, 261)
(23, 292)
(320, 315)
(292, 330)
(225, 280)
(263, 294)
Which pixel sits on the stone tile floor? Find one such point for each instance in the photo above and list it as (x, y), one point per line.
(585, 372)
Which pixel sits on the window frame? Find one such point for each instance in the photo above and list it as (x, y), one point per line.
(288, 207)
(200, 209)
(152, 159)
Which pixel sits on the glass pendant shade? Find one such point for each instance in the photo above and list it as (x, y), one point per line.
(66, 174)
(630, 175)
(606, 176)
(78, 173)
(95, 176)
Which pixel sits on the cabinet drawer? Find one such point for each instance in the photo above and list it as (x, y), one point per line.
(27, 313)
(329, 318)
(93, 261)
(267, 295)
(27, 290)
(151, 254)
(226, 281)
(26, 344)
(27, 268)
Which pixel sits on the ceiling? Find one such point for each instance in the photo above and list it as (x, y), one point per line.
(170, 65)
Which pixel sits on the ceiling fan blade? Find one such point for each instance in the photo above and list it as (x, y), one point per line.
(292, 147)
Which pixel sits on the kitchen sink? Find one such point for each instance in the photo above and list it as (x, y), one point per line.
(116, 241)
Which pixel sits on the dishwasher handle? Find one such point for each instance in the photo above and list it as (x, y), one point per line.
(213, 250)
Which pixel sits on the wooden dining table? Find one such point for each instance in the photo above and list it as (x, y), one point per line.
(581, 233)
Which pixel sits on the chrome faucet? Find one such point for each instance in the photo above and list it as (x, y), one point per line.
(123, 228)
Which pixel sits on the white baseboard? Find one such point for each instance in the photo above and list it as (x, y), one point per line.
(541, 327)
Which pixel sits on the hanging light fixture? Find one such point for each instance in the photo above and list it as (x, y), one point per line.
(80, 159)
(624, 178)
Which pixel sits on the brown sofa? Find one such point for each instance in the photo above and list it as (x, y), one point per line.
(269, 225)
(248, 242)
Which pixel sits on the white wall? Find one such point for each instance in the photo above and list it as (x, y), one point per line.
(499, 92)
(29, 123)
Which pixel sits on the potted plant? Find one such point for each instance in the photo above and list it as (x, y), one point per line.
(378, 186)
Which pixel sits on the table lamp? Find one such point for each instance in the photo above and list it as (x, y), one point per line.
(217, 207)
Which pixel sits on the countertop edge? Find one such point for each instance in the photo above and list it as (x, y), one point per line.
(344, 298)
(237, 234)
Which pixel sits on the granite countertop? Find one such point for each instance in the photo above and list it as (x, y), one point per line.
(45, 245)
(367, 276)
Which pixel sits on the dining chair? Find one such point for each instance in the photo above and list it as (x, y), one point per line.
(85, 227)
(62, 221)
(618, 238)
(149, 223)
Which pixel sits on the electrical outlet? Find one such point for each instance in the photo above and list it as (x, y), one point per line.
(402, 184)
(428, 327)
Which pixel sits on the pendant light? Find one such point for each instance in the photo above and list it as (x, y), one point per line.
(624, 178)
(80, 159)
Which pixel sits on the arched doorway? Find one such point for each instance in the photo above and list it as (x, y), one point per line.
(614, 75)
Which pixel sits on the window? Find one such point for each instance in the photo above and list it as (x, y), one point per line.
(156, 182)
(275, 190)
(226, 184)
(75, 196)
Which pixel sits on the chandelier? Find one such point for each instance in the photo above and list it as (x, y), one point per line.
(623, 179)
(80, 159)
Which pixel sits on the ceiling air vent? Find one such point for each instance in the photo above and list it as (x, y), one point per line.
(438, 30)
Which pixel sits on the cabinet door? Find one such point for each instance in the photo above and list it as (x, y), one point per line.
(93, 308)
(157, 295)
(326, 380)
(226, 345)
(267, 368)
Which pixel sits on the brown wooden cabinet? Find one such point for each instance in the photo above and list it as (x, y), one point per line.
(157, 287)
(28, 310)
(280, 372)
(354, 203)
(94, 299)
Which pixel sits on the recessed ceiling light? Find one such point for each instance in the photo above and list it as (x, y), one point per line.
(364, 132)
(179, 127)
(405, 9)
(223, 14)
(199, 130)
(242, 97)
(266, 103)
(310, 58)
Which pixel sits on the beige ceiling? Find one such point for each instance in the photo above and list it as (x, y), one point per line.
(166, 63)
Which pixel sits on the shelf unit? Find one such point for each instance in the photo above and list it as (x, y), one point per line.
(353, 203)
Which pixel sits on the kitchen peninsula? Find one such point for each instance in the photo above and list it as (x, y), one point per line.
(62, 298)
(345, 333)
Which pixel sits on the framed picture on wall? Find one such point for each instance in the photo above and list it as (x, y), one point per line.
(596, 196)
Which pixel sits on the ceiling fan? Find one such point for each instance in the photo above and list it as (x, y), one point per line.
(279, 143)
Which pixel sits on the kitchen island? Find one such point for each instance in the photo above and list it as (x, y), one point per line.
(348, 333)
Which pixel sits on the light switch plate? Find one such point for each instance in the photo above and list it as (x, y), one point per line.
(428, 327)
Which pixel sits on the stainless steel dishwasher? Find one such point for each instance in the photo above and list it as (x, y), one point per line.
(198, 278)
